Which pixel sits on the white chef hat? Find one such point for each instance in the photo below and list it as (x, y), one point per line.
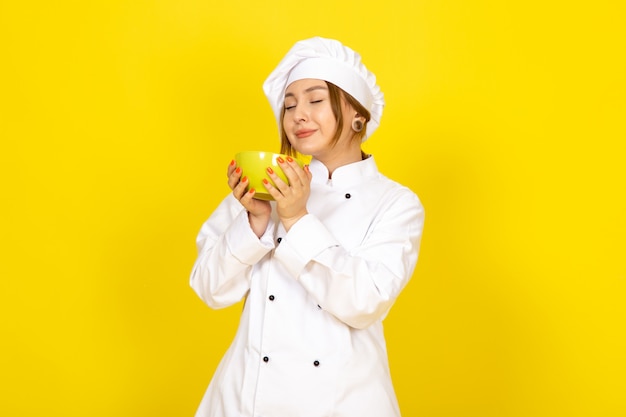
(328, 60)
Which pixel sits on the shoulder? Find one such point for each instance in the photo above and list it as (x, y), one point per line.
(389, 187)
(395, 192)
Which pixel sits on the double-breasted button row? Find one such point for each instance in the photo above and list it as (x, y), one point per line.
(272, 297)
(316, 363)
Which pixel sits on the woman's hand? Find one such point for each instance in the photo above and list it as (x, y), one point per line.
(290, 199)
(258, 211)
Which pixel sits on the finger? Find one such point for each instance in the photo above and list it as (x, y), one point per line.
(231, 167)
(291, 168)
(234, 178)
(279, 184)
(274, 189)
(303, 176)
(239, 189)
(246, 198)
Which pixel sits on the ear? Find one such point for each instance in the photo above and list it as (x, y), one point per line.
(357, 116)
(358, 123)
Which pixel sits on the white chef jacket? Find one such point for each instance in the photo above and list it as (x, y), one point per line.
(310, 341)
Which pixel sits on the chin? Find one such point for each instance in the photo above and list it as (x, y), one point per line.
(304, 150)
(308, 152)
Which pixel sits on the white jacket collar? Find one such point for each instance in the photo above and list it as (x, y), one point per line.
(346, 175)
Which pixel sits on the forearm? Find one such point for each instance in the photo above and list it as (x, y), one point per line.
(357, 285)
(227, 250)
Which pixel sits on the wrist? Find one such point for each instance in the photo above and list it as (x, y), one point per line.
(258, 223)
(288, 222)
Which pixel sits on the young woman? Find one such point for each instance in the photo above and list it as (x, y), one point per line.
(320, 266)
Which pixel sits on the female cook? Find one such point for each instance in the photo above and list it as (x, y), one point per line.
(320, 266)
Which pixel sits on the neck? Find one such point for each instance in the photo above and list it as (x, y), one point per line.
(338, 159)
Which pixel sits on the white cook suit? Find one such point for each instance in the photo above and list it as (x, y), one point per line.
(310, 341)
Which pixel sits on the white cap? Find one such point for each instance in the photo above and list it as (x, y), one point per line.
(328, 60)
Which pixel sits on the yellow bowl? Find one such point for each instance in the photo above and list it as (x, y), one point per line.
(254, 165)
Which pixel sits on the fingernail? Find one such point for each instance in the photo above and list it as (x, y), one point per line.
(265, 181)
(232, 162)
(251, 191)
(270, 170)
(280, 160)
(244, 179)
(238, 170)
(290, 159)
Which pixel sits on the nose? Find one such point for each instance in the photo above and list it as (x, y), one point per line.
(299, 114)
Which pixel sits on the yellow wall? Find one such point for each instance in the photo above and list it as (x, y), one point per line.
(507, 118)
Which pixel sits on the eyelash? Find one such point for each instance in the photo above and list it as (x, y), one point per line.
(312, 102)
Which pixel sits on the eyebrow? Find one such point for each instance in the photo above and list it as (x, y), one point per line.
(308, 90)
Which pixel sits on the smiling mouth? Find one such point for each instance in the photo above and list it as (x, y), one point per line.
(304, 133)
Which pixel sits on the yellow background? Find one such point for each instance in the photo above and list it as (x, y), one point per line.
(508, 119)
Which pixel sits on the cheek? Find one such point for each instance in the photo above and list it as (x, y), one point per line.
(286, 124)
(328, 119)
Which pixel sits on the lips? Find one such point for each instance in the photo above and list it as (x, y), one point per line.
(304, 133)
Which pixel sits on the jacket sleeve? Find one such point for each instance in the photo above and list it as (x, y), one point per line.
(227, 251)
(357, 286)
